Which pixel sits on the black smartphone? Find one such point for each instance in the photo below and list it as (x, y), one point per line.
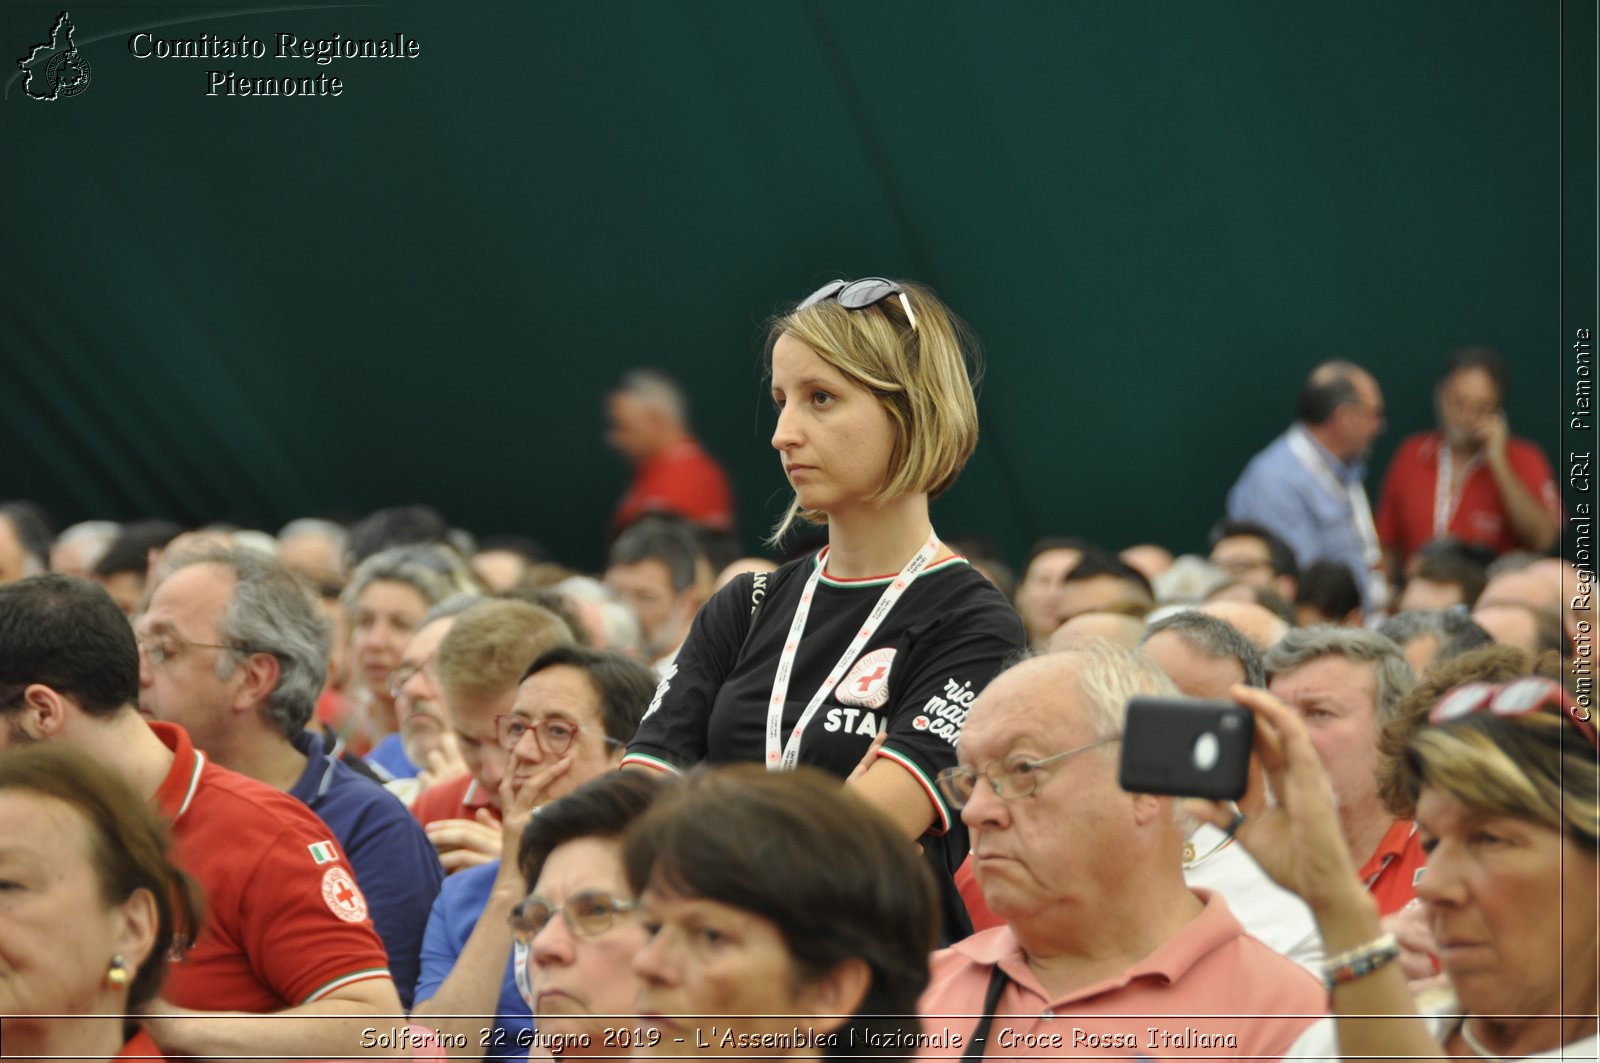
(1187, 747)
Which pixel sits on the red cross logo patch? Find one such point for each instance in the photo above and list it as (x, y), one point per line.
(867, 682)
(343, 896)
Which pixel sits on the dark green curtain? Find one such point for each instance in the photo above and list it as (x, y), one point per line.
(1157, 215)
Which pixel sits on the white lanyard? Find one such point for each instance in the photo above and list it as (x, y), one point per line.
(787, 755)
(1445, 497)
(1360, 512)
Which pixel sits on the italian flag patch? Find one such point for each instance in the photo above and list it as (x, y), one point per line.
(323, 852)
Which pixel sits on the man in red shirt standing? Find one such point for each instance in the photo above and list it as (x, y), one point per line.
(649, 424)
(1470, 479)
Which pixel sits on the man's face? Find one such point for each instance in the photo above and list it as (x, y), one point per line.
(1030, 852)
(1097, 593)
(1467, 401)
(554, 703)
(1364, 417)
(1244, 557)
(472, 720)
(1197, 675)
(1040, 591)
(419, 703)
(646, 588)
(634, 426)
(184, 625)
(13, 559)
(1337, 697)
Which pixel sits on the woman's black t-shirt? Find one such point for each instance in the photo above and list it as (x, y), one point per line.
(940, 645)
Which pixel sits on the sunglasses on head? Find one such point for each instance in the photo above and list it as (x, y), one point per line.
(858, 295)
(1516, 698)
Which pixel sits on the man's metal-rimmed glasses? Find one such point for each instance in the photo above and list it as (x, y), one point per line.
(169, 647)
(858, 295)
(589, 913)
(401, 676)
(1015, 776)
(554, 734)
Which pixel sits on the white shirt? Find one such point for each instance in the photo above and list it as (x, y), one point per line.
(1271, 914)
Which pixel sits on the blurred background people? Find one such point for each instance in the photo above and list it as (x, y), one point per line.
(1469, 478)
(648, 423)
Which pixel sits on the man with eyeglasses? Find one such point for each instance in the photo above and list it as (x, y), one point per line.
(235, 652)
(275, 942)
(423, 751)
(569, 721)
(1100, 927)
(1250, 553)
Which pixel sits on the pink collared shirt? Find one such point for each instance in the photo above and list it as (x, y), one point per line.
(1210, 991)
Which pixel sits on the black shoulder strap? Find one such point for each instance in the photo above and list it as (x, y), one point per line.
(980, 1035)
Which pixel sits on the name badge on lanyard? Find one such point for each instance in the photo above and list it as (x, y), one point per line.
(783, 756)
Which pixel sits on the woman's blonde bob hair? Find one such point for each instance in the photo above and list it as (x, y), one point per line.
(918, 374)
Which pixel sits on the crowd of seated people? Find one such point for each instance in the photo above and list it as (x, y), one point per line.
(382, 790)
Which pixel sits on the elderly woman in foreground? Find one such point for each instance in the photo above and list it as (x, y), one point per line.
(90, 905)
(1504, 777)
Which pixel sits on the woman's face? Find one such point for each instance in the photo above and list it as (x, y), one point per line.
(709, 969)
(57, 935)
(1511, 904)
(386, 614)
(581, 982)
(834, 436)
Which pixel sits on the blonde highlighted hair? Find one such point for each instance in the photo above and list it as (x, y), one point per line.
(919, 374)
(1536, 767)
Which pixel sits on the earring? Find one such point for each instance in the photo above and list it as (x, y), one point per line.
(117, 973)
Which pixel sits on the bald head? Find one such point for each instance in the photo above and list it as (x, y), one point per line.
(1254, 622)
(1115, 628)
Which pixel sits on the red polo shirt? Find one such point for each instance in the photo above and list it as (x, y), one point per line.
(1407, 515)
(1391, 873)
(285, 922)
(681, 479)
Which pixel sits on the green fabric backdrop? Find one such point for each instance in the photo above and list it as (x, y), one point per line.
(1158, 216)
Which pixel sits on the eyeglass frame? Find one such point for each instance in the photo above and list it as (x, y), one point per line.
(843, 292)
(577, 731)
(523, 934)
(392, 688)
(159, 657)
(945, 780)
(1481, 696)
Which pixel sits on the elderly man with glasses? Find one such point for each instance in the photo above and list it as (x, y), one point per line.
(235, 651)
(1100, 926)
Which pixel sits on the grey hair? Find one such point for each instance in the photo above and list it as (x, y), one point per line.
(436, 572)
(1190, 579)
(1108, 675)
(454, 605)
(271, 611)
(659, 390)
(621, 627)
(1456, 631)
(97, 535)
(584, 589)
(336, 534)
(1211, 637)
(1393, 674)
(618, 623)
